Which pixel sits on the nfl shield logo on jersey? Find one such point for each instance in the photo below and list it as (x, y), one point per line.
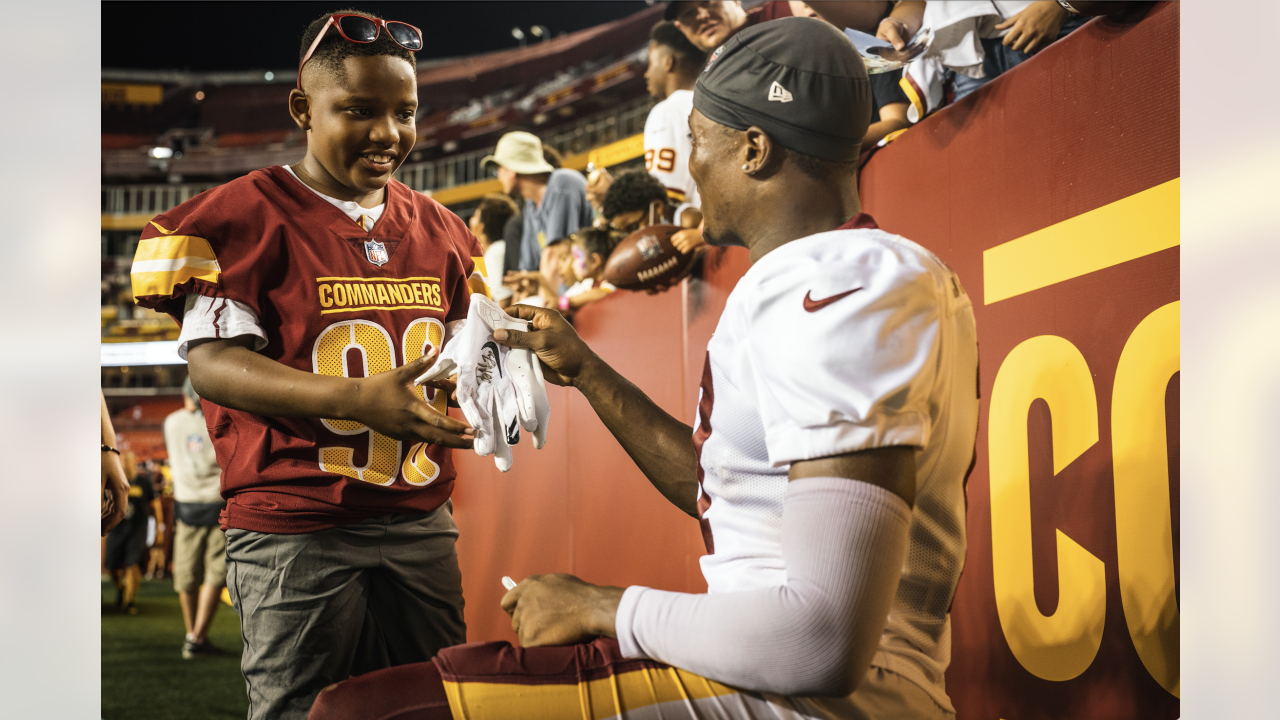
(376, 252)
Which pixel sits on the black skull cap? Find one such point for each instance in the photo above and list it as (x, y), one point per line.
(798, 79)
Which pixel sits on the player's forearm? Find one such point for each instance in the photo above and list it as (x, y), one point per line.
(843, 545)
(235, 377)
(660, 445)
(879, 129)
(587, 297)
(911, 13)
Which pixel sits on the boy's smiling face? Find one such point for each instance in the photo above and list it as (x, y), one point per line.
(360, 128)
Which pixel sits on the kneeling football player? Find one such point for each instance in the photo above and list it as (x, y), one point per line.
(834, 430)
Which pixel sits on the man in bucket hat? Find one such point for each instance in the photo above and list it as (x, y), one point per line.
(555, 201)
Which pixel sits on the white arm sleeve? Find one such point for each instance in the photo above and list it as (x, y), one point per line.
(216, 319)
(844, 543)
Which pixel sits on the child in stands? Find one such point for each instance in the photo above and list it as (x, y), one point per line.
(583, 266)
(581, 260)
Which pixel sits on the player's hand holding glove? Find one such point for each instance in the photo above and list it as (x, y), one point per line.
(500, 389)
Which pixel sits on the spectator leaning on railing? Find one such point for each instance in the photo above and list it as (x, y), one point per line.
(532, 287)
(889, 103)
(584, 263)
(491, 216)
(637, 200)
(555, 200)
(974, 42)
(709, 24)
(582, 257)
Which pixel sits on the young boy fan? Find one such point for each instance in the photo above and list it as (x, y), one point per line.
(310, 297)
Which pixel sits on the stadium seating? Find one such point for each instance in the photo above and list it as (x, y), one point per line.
(465, 105)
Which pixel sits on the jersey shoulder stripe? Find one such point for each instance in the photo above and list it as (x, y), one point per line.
(175, 248)
(165, 261)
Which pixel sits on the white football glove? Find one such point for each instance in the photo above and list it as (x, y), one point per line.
(500, 389)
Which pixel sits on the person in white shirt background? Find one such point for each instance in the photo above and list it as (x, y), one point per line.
(674, 65)
(487, 223)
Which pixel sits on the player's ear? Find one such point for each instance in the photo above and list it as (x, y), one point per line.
(757, 151)
(300, 108)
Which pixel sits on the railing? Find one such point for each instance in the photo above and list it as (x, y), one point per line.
(148, 199)
(590, 132)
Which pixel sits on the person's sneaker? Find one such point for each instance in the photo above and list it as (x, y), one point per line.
(192, 649)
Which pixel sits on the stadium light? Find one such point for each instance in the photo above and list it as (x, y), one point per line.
(161, 153)
(541, 31)
(269, 76)
(123, 355)
(518, 34)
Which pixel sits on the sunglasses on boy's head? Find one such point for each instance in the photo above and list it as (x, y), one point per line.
(364, 30)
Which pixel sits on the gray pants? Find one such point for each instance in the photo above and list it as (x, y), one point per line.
(317, 608)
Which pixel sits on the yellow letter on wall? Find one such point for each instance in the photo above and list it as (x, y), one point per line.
(1061, 646)
(1144, 529)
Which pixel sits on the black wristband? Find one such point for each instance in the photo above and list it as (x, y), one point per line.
(108, 448)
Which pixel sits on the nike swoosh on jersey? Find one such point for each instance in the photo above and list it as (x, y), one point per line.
(811, 305)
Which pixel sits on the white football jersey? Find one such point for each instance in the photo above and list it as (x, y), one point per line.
(842, 341)
(667, 144)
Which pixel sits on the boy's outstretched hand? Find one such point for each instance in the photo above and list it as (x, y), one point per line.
(388, 403)
(230, 374)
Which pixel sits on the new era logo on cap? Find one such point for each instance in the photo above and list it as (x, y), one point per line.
(777, 93)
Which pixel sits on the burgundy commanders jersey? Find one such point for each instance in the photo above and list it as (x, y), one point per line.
(332, 299)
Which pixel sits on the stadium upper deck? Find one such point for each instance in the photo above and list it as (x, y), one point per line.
(222, 125)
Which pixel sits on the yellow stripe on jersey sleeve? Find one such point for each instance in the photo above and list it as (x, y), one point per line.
(162, 263)
(481, 272)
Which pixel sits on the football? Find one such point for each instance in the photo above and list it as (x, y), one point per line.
(646, 259)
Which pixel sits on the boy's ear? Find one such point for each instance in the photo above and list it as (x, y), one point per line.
(300, 108)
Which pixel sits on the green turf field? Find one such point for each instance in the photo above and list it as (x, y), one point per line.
(143, 673)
